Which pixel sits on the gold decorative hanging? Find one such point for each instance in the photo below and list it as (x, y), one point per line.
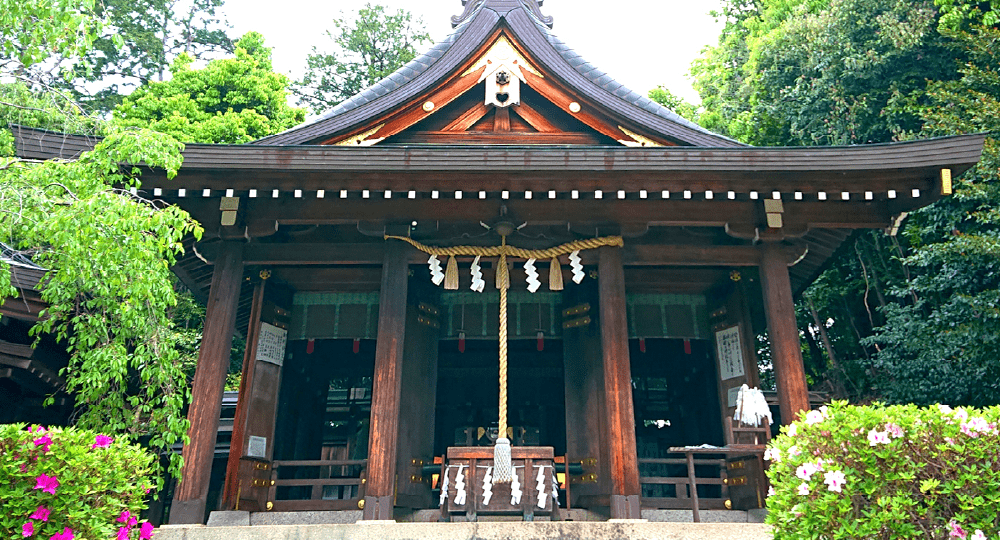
(503, 470)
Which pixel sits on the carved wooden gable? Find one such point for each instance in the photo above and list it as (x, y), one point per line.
(501, 95)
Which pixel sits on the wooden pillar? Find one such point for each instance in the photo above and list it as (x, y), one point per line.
(245, 402)
(625, 490)
(783, 333)
(384, 430)
(209, 380)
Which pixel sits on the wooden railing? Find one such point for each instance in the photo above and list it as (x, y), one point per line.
(335, 484)
(682, 484)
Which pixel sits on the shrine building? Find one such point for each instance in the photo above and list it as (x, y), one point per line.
(367, 256)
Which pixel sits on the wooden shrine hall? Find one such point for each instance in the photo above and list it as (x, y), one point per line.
(638, 258)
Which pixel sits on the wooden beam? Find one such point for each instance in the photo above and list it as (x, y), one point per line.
(384, 430)
(534, 118)
(501, 120)
(309, 254)
(783, 334)
(626, 491)
(206, 393)
(468, 118)
(678, 213)
(498, 136)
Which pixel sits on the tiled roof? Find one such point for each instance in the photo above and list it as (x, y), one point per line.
(424, 70)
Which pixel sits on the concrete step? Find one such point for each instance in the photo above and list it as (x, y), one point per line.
(555, 530)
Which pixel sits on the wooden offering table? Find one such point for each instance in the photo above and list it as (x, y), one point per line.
(468, 493)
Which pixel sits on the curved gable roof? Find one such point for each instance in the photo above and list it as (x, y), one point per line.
(421, 74)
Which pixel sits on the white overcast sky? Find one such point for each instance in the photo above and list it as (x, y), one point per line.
(642, 43)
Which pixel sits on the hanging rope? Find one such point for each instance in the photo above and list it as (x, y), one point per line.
(501, 452)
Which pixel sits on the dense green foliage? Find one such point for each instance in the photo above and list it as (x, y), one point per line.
(142, 39)
(71, 479)
(31, 30)
(230, 100)
(909, 318)
(886, 472)
(366, 49)
(665, 97)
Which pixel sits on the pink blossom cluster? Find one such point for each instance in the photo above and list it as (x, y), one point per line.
(978, 425)
(129, 521)
(958, 532)
(49, 484)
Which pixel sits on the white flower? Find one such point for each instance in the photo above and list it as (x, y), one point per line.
(803, 488)
(814, 417)
(876, 438)
(792, 430)
(835, 480)
(770, 491)
(794, 450)
(978, 535)
(772, 454)
(944, 409)
(805, 471)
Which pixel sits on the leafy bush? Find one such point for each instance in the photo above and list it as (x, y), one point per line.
(67, 484)
(887, 472)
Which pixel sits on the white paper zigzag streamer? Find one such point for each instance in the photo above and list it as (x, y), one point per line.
(533, 282)
(478, 283)
(437, 276)
(540, 487)
(577, 265)
(555, 488)
(515, 489)
(460, 486)
(444, 487)
(488, 486)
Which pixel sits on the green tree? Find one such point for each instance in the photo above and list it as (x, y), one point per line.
(140, 41)
(109, 289)
(665, 97)
(231, 100)
(944, 345)
(366, 49)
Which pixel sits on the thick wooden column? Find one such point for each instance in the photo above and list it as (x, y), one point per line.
(625, 490)
(209, 380)
(783, 333)
(384, 430)
(238, 446)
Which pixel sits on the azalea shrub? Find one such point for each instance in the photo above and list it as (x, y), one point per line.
(887, 472)
(72, 484)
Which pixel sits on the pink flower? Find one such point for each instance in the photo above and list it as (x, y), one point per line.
(27, 529)
(876, 438)
(803, 489)
(123, 533)
(814, 417)
(36, 429)
(67, 534)
(806, 471)
(101, 441)
(957, 531)
(962, 414)
(132, 522)
(44, 441)
(978, 535)
(41, 513)
(894, 430)
(794, 450)
(47, 483)
(145, 531)
(835, 480)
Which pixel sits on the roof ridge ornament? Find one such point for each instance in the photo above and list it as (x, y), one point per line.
(472, 6)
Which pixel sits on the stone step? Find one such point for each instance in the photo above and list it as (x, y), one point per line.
(554, 530)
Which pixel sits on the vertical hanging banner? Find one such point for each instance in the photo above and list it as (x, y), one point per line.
(727, 342)
(271, 345)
